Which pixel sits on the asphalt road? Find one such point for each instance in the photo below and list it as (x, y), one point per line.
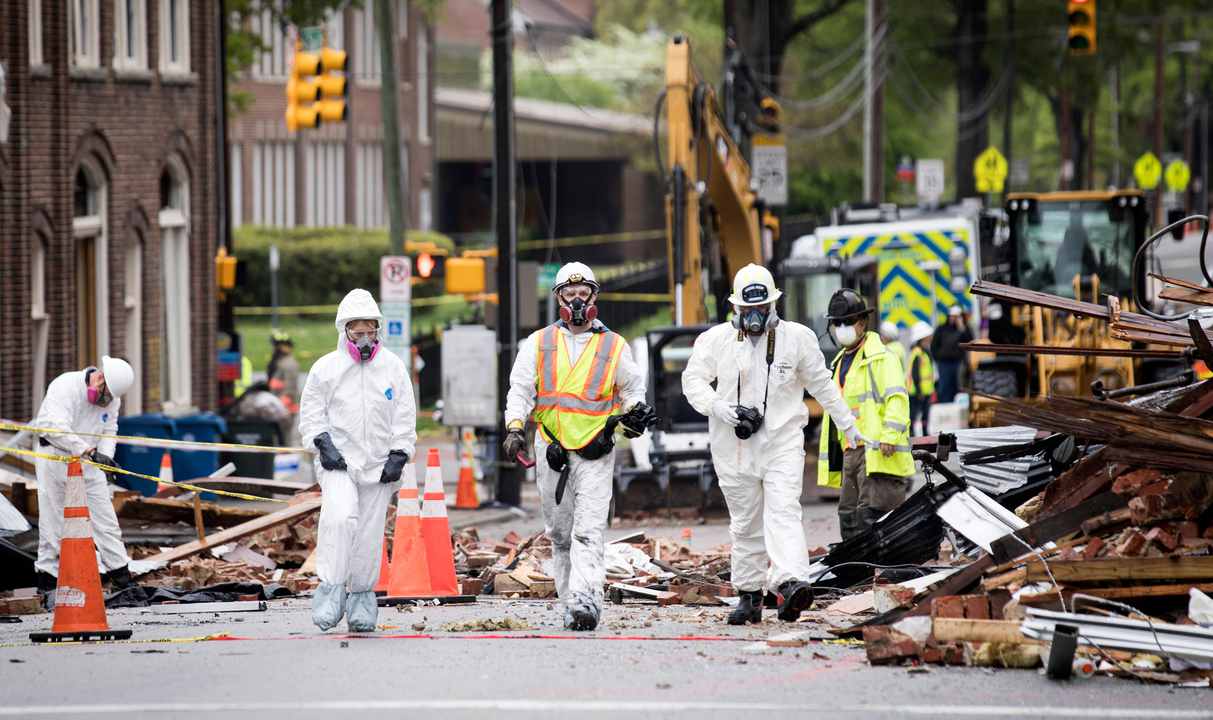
(644, 662)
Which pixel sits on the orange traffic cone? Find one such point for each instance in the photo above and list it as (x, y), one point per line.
(166, 475)
(409, 577)
(465, 493)
(79, 602)
(381, 586)
(436, 530)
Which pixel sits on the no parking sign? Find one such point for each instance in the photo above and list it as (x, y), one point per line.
(395, 302)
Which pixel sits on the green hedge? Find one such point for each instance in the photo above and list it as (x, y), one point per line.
(318, 266)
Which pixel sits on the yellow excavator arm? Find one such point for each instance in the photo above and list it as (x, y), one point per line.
(706, 170)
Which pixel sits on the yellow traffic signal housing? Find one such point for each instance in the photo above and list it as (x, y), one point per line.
(225, 269)
(1080, 26)
(333, 88)
(303, 91)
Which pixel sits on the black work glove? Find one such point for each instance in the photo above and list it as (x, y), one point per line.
(640, 418)
(101, 458)
(396, 460)
(330, 456)
(515, 442)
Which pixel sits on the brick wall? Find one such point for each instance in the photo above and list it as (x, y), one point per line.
(128, 126)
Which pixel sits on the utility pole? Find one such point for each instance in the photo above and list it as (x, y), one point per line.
(1159, 67)
(509, 485)
(1008, 113)
(393, 177)
(1114, 92)
(873, 105)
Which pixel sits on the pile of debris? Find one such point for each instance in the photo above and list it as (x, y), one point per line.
(638, 567)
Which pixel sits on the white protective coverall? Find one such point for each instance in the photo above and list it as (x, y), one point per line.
(368, 409)
(575, 526)
(769, 465)
(66, 407)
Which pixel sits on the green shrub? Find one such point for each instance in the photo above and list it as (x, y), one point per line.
(318, 266)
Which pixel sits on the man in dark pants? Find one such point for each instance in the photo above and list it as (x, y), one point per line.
(945, 349)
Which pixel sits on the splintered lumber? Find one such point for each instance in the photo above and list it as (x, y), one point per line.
(1021, 296)
(1071, 351)
(1192, 297)
(1053, 527)
(1126, 569)
(966, 630)
(1120, 593)
(156, 509)
(286, 515)
(661, 596)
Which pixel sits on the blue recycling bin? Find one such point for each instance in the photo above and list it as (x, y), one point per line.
(144, 460)
(193, 464)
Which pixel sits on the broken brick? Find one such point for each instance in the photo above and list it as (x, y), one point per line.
(977, 607)
(885, 646)
(948, 606)
(998, 602)
(471, 586)
(1185, 529)
(1091, 551)
(1147, 508)
(1130, 483)
(1132, 545)
(1165, 540)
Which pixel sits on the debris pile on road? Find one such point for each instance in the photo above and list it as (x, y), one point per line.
(1106, 568)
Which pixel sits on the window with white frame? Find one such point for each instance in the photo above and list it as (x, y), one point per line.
(273, 61)
(90, 229)
(368, 186)
(273, 178)
(235, 177)
(35, 33)
(423, 88)
(130, 35)
(175, 349)
(132, 401)
(366, 67)
(84, 18)
(40, 320)
(324, 184)
(175, 36)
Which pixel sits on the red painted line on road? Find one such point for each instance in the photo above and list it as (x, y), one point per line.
(494, 636)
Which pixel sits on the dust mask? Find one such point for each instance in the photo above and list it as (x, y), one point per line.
(845, 335)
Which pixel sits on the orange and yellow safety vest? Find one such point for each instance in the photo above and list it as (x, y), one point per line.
(574, 400)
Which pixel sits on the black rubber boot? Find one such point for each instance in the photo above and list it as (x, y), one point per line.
(794, 598)
(581, 613)
(749, 608)
(46, 588)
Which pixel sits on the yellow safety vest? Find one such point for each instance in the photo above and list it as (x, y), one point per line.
(875, 391)
(926, 373)
(575, 399)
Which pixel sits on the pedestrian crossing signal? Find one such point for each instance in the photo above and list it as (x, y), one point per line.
(1080, 26)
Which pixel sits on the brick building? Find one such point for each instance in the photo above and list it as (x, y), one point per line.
(107, 204)
(333, 175)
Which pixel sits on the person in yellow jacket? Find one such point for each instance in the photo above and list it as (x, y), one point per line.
(572, 378)
(891, 335)
(874, 477)
(920, 376)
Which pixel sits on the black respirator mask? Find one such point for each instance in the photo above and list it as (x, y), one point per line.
(578, 312)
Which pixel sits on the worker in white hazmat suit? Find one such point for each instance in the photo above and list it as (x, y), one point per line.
(358, 411)
(572, 377)
(86, 402)
(761, 366)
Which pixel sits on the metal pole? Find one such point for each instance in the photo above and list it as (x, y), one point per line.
(393, 177)
(509, 486)
(868, 53)
(1009, 113)
(1159, 66)
(1114, 81)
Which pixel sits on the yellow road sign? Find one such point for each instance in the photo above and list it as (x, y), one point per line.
(1177, 175)
(990, 170)
(1147, 171)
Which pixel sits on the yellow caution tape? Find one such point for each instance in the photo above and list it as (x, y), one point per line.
(158, 442)
(121, 471)
(603, 239)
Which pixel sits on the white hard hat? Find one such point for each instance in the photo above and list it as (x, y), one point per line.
(118, 375)
(919, 331)
(954, 311)
(889, 331)
(574, 273)
(753, 285)
(357, 305)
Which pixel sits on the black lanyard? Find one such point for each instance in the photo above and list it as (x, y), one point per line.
(770, 361)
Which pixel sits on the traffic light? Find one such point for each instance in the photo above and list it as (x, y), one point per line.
(1080, 26)
(302, 92)
(333, 90)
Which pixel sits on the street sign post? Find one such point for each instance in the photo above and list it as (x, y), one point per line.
(929, 181)
(770, 166)
(395, 302)
(990, 170)
(1147, 171)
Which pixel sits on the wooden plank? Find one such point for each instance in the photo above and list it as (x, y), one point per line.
(661, 596)
(1051, 528)
(965, 630)
(286, 515)
(1120, 593)
(1129, 569)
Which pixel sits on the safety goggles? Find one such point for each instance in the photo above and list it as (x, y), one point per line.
(572, 292)
(355, 337)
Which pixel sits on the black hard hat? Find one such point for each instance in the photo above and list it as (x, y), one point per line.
(846, 304)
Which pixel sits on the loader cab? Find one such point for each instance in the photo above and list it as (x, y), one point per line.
(1056, 237)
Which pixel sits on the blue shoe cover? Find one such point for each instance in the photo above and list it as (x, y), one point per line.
(328, 605)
